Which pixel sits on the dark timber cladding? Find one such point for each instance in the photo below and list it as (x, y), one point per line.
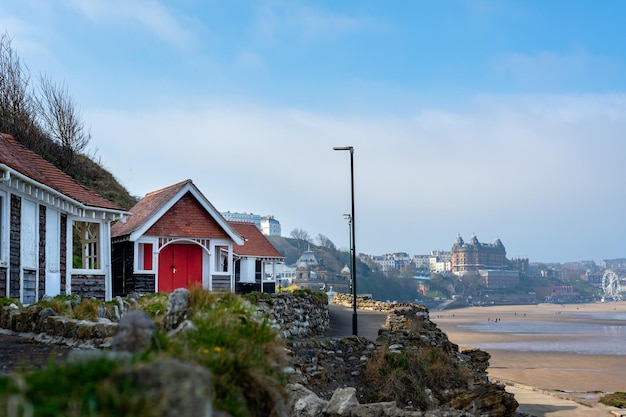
(42, 252)
(14, 250)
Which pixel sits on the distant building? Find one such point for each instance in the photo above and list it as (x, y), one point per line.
(521, 264)
(268, 225)
(392, 261)
(421, 262)
(440, 261)
(499, 278)
(473, 256)
(615, 264)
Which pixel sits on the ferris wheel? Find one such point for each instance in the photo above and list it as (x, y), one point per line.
(610, 283)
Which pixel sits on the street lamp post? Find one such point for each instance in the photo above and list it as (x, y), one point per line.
(355, 331)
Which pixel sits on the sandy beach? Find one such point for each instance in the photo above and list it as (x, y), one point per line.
(535, 356)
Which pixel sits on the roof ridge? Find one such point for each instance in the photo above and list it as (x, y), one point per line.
(169, 187)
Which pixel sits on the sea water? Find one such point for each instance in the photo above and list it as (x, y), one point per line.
(562, 337)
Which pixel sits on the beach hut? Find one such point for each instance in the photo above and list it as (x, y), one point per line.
(175, 238)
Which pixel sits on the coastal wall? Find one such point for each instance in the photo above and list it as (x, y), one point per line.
(47, 326)
(297, 315)
(362, 302)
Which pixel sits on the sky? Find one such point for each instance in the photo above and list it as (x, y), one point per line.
(500, 119)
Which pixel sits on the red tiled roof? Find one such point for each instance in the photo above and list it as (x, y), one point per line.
(256, 244)
(14, 155)
(146, 208)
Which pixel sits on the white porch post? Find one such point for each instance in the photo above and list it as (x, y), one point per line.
(231, 267)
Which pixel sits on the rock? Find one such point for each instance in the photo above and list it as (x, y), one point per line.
(184, 326)
(87, 355)
(303, 403)
(135, 332)
(177, 308)
(385, 409)
(173, 387)
(342, 401)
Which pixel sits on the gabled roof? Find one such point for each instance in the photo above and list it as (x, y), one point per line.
(155, 204)
(256, 244)
(27, 163)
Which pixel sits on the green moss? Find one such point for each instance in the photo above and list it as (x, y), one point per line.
(6, 301)
(616, 399)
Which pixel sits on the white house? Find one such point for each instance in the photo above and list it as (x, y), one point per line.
(54, 232)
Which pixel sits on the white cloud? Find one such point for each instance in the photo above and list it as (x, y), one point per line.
(308, 22)
(550, 71)
(150, 14)
(419, 180)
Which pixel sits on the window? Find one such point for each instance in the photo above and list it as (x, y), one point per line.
(222, 259)
(86, 245)
(144, 257)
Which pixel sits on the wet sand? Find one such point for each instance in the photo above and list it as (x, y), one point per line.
(549, 370)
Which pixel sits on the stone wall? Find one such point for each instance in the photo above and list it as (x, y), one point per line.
(46, 326)
(294, 316)
(298, 315)
(363, 303)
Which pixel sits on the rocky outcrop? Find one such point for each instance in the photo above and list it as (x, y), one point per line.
(325, 366)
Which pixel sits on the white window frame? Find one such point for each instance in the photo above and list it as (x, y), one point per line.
(5, 218)
(138, 258)
(100, 270)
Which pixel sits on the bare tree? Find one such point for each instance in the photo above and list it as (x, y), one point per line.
(17, 105)
(62, 120)
(325, 242)
(302, 237)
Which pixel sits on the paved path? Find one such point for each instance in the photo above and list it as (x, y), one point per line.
(368, 322)
(23, 353)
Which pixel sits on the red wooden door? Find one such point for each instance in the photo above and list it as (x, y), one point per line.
(180, 266)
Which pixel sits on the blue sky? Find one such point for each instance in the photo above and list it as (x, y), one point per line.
(503, 119)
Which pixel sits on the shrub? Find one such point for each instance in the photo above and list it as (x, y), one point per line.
(616, 399)
(240, 348)
(6, 301)
(73, 390)
(87, 310)
(404, 376)
(154, 304)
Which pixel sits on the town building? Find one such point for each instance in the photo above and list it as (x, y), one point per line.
(392, 261)
(474, 255)
(495, 279)
(440, 261)
(421, 262)
(266, 224)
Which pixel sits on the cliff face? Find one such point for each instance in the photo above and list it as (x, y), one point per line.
(412, 368)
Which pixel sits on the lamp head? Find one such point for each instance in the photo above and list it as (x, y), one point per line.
(343, 148)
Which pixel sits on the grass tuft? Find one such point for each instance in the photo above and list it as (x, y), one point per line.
(616, 399)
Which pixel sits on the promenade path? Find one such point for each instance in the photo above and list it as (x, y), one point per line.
(532, 402)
